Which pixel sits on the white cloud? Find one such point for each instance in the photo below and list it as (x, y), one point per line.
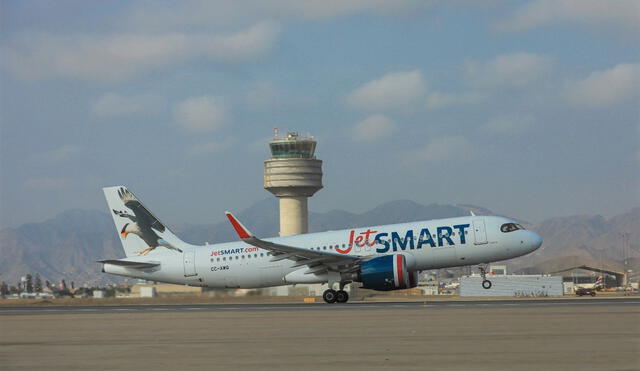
(206, 113)
(608, 87)
(373, 128)
(440, 100)
(393, 91)
(111, 105)
(509, 123)
(116, 58)
(616, 13)
(441, 149)
(515, 69)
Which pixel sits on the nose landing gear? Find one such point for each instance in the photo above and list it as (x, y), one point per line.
(486, 284)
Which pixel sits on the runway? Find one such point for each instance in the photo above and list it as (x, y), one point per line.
(357, 306)
(552, 334)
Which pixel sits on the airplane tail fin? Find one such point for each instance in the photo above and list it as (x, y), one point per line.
(141, 233)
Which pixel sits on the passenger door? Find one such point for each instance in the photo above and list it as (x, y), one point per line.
(189, 258)
(479, 232)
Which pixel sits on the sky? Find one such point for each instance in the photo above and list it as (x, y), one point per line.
(528, 108)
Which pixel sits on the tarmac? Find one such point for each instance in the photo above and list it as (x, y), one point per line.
(584, 334)
(79, 308)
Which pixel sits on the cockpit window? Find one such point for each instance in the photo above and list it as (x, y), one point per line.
(510, 227)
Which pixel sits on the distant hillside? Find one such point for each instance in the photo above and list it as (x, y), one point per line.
(587, 238)
(65, 246)
(68, 245)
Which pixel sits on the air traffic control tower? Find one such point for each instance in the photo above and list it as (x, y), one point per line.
(293, 174)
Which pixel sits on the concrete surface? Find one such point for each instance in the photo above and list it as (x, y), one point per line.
(98, 306)
(549, 337)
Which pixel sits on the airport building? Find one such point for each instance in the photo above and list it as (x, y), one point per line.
(587, 276)
(512, 286)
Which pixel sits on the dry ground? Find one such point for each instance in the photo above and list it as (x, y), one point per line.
(580, 337)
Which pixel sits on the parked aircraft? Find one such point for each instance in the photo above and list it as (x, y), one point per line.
(385, 257)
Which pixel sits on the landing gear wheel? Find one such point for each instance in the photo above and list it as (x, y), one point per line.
(486, 284)
(330, 296)
(342, 296)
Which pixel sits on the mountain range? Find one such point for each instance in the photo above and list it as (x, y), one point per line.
(68, 245)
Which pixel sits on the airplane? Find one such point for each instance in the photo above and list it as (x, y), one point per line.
(383, 258)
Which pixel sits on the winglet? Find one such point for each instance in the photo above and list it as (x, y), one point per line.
(242, 231)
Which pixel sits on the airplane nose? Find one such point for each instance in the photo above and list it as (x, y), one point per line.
(535, 241)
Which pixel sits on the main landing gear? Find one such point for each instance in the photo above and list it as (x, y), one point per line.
(486, 284)
(332, 296)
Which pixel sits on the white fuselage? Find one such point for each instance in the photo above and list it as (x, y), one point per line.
(430, 244)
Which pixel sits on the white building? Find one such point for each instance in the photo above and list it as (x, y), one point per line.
(512, 286)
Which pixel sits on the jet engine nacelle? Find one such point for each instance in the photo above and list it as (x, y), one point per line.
(388, 272)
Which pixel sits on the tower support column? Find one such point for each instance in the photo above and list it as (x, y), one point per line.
(293, 215)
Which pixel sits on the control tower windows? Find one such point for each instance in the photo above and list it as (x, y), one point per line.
(293, 149)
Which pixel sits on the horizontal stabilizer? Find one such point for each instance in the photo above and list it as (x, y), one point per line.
(130, 264)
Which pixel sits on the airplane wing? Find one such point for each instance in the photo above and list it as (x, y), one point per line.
(317, 261)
